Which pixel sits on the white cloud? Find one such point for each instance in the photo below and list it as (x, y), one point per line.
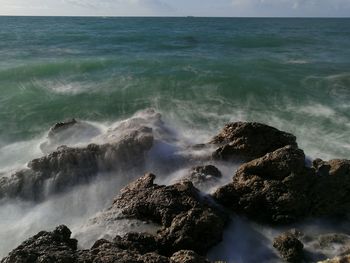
(178, 7)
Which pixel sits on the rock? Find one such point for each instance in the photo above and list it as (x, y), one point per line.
(50, 247)
(69, 133)
(59, 126)
(327, 245)
(140, 242)
(272, 189)
(104, 251)
(58, 247)
(203, 177)
(331, 194)
(249, 140)
(289, 247)
(278, 188)
(67, 166)
(190, 220)
(196, 229)
(328, 241)
(187, 256)
(341, 259)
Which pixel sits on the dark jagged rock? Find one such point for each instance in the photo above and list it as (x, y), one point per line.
(140, 242)
(331, 193)
(58, 247)
(187, 256)
(271, 189)
(50, 247)
(340, 259)
(279, 188)
(68, 133)
(203, 177)
(249, 140)
(59, 126)
(327, 241)
(196, 229)
(67, 166)
(188, 218)
(290, 247)
(104, 251)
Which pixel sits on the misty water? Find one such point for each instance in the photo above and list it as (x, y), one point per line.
(198, 73)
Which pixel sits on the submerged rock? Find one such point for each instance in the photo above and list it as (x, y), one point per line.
(289, 247)
(190, 220)
(203, 177)
(67, 166)
(187, 256)
(249, 140)
(70, 132)
(60, 126)
(340, 259)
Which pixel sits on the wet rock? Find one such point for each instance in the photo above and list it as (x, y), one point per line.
(50, 247)
(203, 177)
(190, 220)
(272, 189)
(57, 247)
(187, 256)
(104, 251)
(341, 259)
(60, 126)
(71, 132)
(197, 229)
(140, 242)
(249, 140)
(331, 193)
(289, 247)
(329, 240)
(67, 166)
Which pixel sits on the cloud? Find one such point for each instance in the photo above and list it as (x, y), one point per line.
(178, 7)
(292, 7)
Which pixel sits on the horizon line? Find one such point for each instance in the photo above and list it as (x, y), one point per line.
(184, 16)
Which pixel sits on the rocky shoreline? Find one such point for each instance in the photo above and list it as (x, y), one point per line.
(275, 185)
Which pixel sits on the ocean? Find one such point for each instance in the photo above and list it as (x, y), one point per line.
(199, 73)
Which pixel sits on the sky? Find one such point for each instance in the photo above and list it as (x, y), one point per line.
(226, 8)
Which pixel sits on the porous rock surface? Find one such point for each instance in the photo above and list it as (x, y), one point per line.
(186, 215)
(67, 166)
(289, 247)
(249, 140)
(278, 188)
(203, 177)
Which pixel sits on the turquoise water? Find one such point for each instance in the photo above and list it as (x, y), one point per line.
(199, 72)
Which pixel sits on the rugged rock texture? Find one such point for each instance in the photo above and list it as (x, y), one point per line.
(249, 140)
(341, 259)
(70, 132)
(67, 167)
(104, 251)
(331, 194)
(279, 188)
(187, 256)
(186, 215)
(271, 189)
(48, 247)
(60, 126)
(289, 247)
(58, 247)
(203, 177)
